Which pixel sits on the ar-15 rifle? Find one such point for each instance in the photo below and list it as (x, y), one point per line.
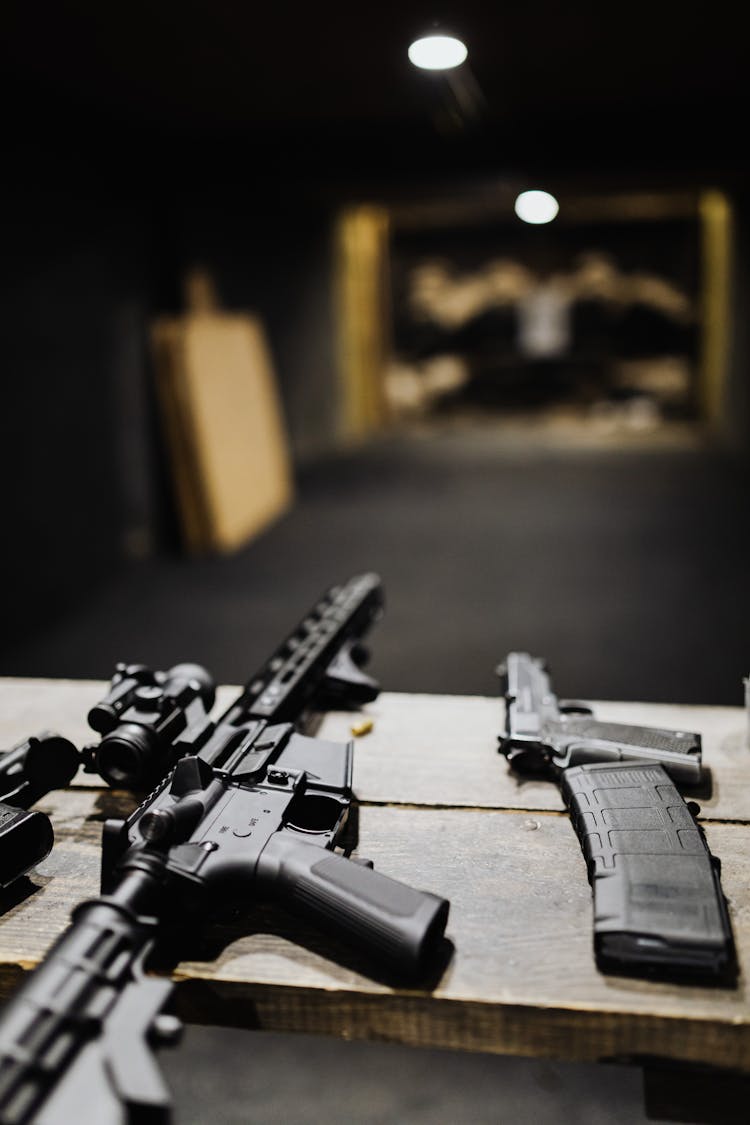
(248, 808)
(27, 772)
(658, 904)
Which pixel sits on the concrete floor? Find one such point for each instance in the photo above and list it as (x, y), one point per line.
(622, 560)
(305, 1080)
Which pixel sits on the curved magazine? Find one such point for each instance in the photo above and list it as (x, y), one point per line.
(658, 904)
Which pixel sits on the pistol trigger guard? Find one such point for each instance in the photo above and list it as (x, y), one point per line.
(527, 760)
(573, 707)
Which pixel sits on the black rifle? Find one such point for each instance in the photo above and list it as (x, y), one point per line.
(27, 772)
(148, 720)
(658, 904)
(249, 808)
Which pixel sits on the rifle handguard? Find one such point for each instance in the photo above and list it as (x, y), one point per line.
(80, 1026)
(396, 923)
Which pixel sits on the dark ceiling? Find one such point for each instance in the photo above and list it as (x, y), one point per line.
(639, 90)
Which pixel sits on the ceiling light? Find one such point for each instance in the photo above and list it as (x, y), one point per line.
(437, 52)
(536, 207)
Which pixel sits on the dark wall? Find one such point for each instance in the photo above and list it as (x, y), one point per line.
(76, 295)
(91, 253)
(738, 383)
(273, 255)
(94, 246)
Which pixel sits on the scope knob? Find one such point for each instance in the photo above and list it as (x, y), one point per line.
(146, 697)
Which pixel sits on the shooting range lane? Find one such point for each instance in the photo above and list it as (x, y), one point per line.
(521, 978)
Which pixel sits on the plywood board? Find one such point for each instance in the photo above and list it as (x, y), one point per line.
(225, 427)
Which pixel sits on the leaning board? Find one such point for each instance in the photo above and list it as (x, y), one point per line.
(224, 426)
(519, 975)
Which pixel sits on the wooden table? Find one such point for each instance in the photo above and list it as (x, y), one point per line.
(439, 809)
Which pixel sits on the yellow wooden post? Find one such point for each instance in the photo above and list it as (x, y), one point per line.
(363, 318)
(716, 227)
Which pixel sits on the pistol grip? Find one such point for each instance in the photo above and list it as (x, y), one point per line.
(394, 922)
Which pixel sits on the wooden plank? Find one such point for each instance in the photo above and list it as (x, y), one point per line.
(442, 750)
(436, 750)
(520, 979)
(424, 749)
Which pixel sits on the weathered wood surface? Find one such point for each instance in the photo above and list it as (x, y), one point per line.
(441, 750)
(426, 749)
(520, 977)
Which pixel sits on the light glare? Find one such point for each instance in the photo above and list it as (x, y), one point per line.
(437, 52)
(536, 207)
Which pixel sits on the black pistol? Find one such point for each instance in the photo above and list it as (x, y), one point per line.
(659, 909)
(28, 771)
(246, 807)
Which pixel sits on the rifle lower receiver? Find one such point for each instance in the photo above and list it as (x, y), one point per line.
(259, 816)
